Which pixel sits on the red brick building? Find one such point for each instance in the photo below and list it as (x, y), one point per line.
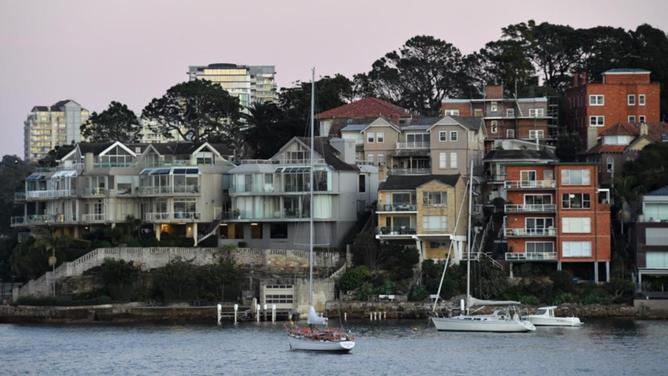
(624, 96)
(556, 213)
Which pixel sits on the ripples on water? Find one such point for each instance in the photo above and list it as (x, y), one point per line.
(611, 347)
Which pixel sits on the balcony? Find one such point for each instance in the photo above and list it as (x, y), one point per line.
(396, 207)
(95, 192)
(530, 184)
(33, 219)
(172, 217)
(410, 171)
(412, 145)
(18, 221)
(530, 232)
(19, 196)
(530, 208)
(93, 218)
(49, 194)
(280, 214)
(169, 190)
(396, 231)
(531, 256)
(285, 161)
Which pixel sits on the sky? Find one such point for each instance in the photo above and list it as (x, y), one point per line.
(131, 51)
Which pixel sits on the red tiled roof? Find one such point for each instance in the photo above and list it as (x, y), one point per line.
(621, 129)
(601, 148)
(365, 108)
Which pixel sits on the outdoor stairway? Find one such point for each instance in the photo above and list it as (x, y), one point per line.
(212, 227)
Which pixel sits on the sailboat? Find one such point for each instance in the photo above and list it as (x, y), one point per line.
(316, 336)
(499, 321)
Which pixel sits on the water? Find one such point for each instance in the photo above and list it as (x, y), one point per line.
(610, 347)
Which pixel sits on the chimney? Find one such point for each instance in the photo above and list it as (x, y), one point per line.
(643, 129)
(89, 161)
(494, 92)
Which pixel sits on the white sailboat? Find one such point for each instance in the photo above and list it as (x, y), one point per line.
(316, 336)
(499, 321)
(545, 316)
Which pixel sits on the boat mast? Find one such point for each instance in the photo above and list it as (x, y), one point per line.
(468, 242)
(310, 231)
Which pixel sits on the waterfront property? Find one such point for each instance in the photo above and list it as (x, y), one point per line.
(361, 111)
(557, 213)
(49, 126)
(270, 203)
(650, 240)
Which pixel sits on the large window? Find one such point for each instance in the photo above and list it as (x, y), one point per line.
(361, 183)
(576, 201)
(453, 160)
(575, 177)
(576, 248)
(539, 224)
(441, 160)
(573, 225)
(278, 230)
(597, 121)
(434, 222)
(539, 247)
(537, 199)
(596, 100)
(435, 199)
(185, 208)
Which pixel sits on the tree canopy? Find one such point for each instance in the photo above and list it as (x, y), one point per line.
(116, 123)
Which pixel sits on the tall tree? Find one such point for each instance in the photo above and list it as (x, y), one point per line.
(504, 62)
(196, 111)
(269, 129)
(418, 76)
(116, 123)
(330, 92)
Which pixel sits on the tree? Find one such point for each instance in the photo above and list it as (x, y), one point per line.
(504, 62)
(195, 110)
(419, 76)
(12, 173)
(116, 123)
(330, 92)
(568, 146)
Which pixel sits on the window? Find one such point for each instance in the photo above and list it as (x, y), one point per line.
(453, 160)
(631, 99)
(536, 133)
(371, 158)
(477, 112)
(510, 112)
(493, 107)
(539, 247)
(443, 136)
(537, 199)
(453, 135)
(632, 119)
(596, 121)
(434, 222)
(370, 137)
(536, 112)
(435, 199)
(642, 118)
(205, 158)
(527, 177)
(452, 112)
(278, 230)
(610, 164)
(641, 99)
(575, 177)
(570, 225)
(433, 244)
(596, 100)
(361, 184)
(256, 230)
(494, 126)
(510, 133)
(576, 201)
(441, 160)
(381, 158)
(539, 224)
(576, 249)
(380, 137)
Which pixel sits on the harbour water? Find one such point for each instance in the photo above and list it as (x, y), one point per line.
(601, 347)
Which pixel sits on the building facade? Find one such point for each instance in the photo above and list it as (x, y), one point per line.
(250, 83)
(49, 126)
(557, 213)
(623, 96)
(650, 240)
(362, 111)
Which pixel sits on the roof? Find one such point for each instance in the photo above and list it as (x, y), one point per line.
(607, 148)
(621, 129)
(659, 192)
(655, 132)
(354, 127)
(187, 148)
(406, 182)
(365, 108)
(471, 123)
(328, 153)
(522, 154)
(627, 71)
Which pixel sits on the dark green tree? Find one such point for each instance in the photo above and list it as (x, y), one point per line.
(504, 62)
(568, 146)
(116, 123)
(330, 92)
(12, 173)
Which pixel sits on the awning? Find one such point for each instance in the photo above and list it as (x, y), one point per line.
(36, 176)
(65, 174)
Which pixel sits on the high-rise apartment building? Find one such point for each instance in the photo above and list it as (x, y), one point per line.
(250, 83)
(49, 126)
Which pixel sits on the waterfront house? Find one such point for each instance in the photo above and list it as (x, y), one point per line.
(650, 241)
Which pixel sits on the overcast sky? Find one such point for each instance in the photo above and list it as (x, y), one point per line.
(133, 50)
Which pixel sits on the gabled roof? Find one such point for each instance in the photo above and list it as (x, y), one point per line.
(470, 123)
(410, 182)
(327, 152)
(521, 154)
(621, 129)
(365, 108)
(663, 191)
(187, 148)
(354, 127)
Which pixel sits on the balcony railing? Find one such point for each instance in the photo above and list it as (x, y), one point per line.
(93, 217)
(169, 189)
(530, 184)
(169, 216)
(19, 196)
(530, 208)
(413, 145)
(95, 192)
(49, 194)
(531, 256)
(280, 214)
(399, 230)
(397, 207)
(18, 221)
(522, 232)
(303, 162)
(410, 171)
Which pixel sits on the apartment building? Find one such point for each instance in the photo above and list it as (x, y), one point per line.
(428, 212)
(650, 240)
(423, 146)
(270, 199)
(49, 126)
(497, 161)
(507, 118)
(250, 83)
(172, 188)
(625, 95)
(362, 111)
(557, 213)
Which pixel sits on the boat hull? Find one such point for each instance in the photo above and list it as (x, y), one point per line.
(307, 344)
(482, 324)
(554, 321)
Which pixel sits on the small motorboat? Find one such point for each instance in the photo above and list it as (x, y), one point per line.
(545, 317)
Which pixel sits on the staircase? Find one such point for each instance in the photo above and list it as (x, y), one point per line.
(212, 227)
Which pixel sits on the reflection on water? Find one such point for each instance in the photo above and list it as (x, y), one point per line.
(609, 347)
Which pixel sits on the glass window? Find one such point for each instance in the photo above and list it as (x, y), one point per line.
(642, 118)
(477, 112)
(597, 121)
(596, 100)
(510, 112)
(578, 225)
(576, 248)
(453, 135)
(539, 247)
(361, 183)
(575, 177)
(453, 160)
(443, 136)
(435, 199)
(494, 126)
(576, 201)
(641, 99)
(434, 222)
(380, 137)
(441, 160)
(510, 133)
(631, 119)
(631, 99)
(370, 137)
(278, 230)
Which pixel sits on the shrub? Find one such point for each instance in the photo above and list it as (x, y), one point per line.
(418, 294)
(529, 300)
(119, 278)
(364, 291)
(354, 278)
(564, 297)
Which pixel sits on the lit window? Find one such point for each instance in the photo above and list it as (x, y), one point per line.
(576, 201)
(494, 126)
